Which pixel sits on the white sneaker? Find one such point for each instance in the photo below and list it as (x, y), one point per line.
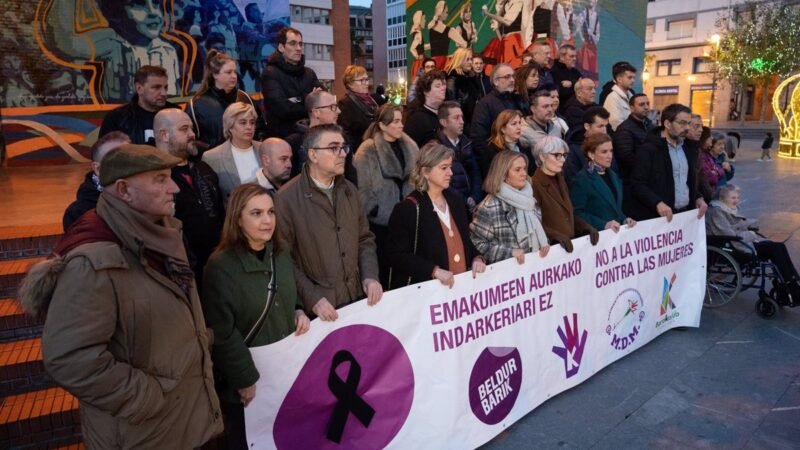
(760, 160)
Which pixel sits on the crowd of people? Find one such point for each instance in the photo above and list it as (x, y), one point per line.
(201, 233)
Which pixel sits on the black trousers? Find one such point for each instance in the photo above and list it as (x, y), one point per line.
(777, 253)
(235, 437)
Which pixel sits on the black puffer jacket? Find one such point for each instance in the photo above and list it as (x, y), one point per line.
(285, 87)
(206, 113)
(85, 199)
(131, 120)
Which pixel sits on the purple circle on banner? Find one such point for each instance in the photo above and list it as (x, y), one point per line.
(494, 383)
(386, 384)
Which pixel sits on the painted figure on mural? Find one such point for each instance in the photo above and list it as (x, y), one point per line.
(541, 20)
(567, 20)
(417, 47)
(589, 26)
(507, 21)
(440, 34)
(19, 89)
(254, 45)
(467, 27)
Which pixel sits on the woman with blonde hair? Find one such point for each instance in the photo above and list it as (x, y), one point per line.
(428, 236)
(505, 134)
(357, 107)
(249, 300)
(218, 91)
(507, 223)
(463, 85)
(236, 160)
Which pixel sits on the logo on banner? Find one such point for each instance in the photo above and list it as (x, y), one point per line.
(624, 319)
(574, 342)
(667, 310)
(494, 383)
(355, 390)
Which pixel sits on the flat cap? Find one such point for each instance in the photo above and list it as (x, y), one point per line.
(131, 159)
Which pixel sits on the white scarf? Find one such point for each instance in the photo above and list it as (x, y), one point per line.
(529, 227)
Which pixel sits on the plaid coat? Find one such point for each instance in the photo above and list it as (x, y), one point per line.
(493, 230)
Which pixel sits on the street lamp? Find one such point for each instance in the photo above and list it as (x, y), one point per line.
(715, 39)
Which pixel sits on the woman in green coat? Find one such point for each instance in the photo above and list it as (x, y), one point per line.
(596, 191)
(246, 279)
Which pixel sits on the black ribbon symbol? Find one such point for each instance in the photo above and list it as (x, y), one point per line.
(345, 392)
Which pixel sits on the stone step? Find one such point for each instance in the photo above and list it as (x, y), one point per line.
(14, 323)
(29, 241)
(12, 271)
(21, 367)
(37, 419)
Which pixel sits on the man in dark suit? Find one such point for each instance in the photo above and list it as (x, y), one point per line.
(631, 134)
(664, 180)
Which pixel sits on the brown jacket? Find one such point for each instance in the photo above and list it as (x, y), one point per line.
(126, 339)
(558, 217)
(332, 247)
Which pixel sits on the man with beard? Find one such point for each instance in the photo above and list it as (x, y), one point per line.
(199, 203)
(664, 180)
(136, 117)
(89, 191)
(631, 133)
(285, 83)
(276, 164)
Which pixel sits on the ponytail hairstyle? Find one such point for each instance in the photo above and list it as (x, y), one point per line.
(214, 62)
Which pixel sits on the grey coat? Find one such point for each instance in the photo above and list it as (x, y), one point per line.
(721, 220)
(380, 176)
(220, 158)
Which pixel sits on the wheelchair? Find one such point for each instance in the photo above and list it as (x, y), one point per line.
(731, 269)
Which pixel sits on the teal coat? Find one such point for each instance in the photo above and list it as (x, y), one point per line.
(593, 200)
(234, 295)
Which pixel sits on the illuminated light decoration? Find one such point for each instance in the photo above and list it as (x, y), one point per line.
(788, 117)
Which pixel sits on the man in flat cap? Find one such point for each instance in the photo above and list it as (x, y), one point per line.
(124, 331)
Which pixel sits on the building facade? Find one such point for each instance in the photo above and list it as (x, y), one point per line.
(680, 43)
(362, 46)
(390, 54)
(327, 48)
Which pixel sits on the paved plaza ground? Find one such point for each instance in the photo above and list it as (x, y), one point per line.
(733, 383)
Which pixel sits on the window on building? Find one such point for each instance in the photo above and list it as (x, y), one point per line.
(668, 67)
(352, 22)
(296, 14)
(326, 17)
(367, 23)
(703, 65)
(648, 32)
(663, 97)
(678, 29)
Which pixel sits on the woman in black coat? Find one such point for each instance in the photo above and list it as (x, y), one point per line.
(428, 235)
(357, 107)
(216, 93)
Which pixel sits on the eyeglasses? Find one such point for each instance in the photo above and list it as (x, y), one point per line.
(333, 107)
(336, 149)
(362, 80)
(558, 155)
(505, 77)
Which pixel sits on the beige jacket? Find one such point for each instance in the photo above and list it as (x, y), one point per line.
(125, 339)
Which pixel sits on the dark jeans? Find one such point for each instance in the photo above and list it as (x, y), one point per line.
(777, 253)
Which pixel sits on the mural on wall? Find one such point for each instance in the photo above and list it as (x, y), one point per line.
(502, 30)
(86, 51)
(65, 63)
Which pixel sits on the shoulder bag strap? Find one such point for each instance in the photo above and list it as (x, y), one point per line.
(194, 117)
(271, 289)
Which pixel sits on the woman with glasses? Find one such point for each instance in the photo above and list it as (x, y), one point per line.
(507, 223)
(429, 229)
(218, 91)
(236, 160)
(357, 107)
(506, 131)
(596, 191)
(383, 165)
(550, 190)
(249, 300)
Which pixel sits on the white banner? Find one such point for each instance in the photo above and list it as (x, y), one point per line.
(431, 367)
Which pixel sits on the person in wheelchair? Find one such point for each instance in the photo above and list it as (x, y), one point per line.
(723, 219)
